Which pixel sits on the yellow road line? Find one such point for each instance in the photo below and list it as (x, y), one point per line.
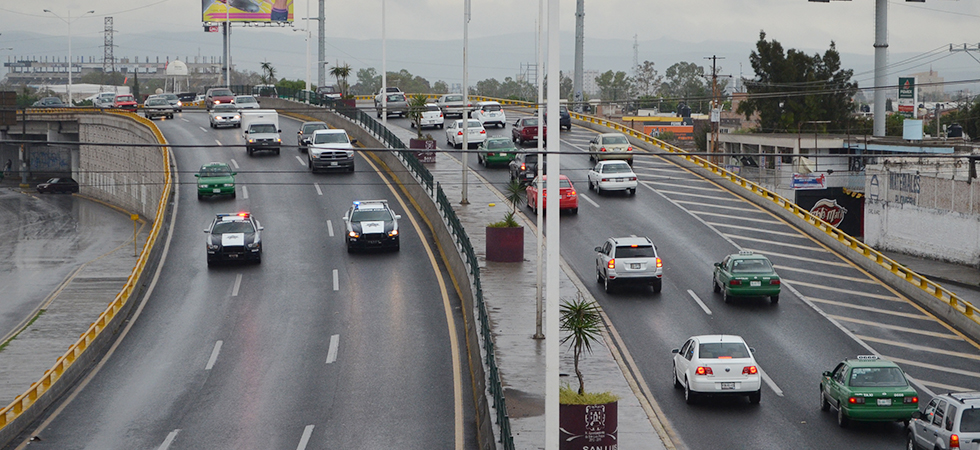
(923, 348)
(870, 309)
(896, 328)
(908, 362)
(825, 274)
(770, 241)
(846, 291)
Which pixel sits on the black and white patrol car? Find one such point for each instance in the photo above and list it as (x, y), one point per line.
(234, 237)
(371, 224)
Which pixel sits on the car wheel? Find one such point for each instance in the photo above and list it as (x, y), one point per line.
(842, 420)
(714, 286)
(689, 395)
(574, 210)
(199, 196)
(607, 285)
(910, 442)
(277, 151)
(658, 285)
(350, 249)
(633, 191)
(755, 397)
(673, 374)
(598, 276)
(598, 189)
(258, 259)
(824, 404)
(724, 296)
(774, 299)
(210, 262)
(233, 194)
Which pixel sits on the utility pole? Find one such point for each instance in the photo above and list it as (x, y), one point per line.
(577, 82)
(321, 29)
(715, 109)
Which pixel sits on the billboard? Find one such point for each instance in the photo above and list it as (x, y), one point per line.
(247, 10)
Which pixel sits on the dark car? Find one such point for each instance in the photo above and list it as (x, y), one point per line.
(306, 132)
(187, 97)
(524, 167)
(61, 185)
(328, 93)
(526, 129)
(50, 102)
(234, 237)
(564, 118)
(371, 224)
(217, 96)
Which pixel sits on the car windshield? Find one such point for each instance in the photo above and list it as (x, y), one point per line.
(232, 226)
(246, 99)
(499, 143)
(562, 184)
(215, 171)
(262, 128)
(531, 158)
(330, 138)
(221, 93)
(225, 107)
(751, 266)
(616, 168)
(52, 181)
(311, 127)
(454, 98)
(370, 215)
(396, 98)
(169, 96)
(472, 124)
(157, 101)
(491, 107)
(530, 122)
(970, 421)
(722, 350)
(124, 98)
(614, 140)
(877, 377)
(106, 96)
(637, 251)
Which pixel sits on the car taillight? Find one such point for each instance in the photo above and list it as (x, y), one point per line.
(611, 264)
(954, 441)
(702, 370)
(734, 282)
(483, 131)
(523, 167)
(459, 133)
(750, 370)
(910, 400)
(605, 179)
(602, 149)
(660, 263)
(632, 178)
(856, 400)
(773, 281)
(629, 149)
(571, 193)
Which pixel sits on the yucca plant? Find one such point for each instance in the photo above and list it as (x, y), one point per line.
(514, 194)
(581, 319)
(416, 106)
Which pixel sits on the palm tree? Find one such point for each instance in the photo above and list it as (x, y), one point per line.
(582, 320)
(268, 73)
(341, 73)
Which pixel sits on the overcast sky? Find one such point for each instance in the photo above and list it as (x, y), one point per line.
(914, 27)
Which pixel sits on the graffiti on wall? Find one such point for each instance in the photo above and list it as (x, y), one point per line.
(51, 160)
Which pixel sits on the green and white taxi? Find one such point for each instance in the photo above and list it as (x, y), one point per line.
(868, 388)
(215, 178)
(746, 274)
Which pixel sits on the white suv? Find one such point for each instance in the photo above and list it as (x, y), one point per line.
(948, 421)
(628, 260)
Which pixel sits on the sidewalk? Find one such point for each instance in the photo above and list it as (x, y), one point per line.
(509, 291)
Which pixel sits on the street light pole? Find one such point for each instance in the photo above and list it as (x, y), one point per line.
(69, 21)
(466, 102)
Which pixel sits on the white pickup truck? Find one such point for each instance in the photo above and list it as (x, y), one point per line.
(260, 127)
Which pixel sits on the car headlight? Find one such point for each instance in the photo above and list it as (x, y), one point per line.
(202, 186)
(251, 141)
(213, 247)
(353, 234)
(350, 154)
(393, 233)
(278, 140)
(179, 103)
(254, 245)
(237, 117)
(229, 184)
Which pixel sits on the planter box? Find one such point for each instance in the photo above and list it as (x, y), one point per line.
(588, 426)
(422, 144)
(505, 244)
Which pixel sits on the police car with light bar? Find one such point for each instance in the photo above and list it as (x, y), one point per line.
(371, 224)
(234, 237)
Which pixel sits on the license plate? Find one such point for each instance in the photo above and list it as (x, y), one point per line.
(634, 266)
(333, 163)
(755, 283)
(725, 386)
(621, 179)
(216, 191)
(884, 402)
(233, 255)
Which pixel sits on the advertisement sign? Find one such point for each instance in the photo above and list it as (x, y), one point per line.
(808, 181)
(906, 88)
(836, 207)
(829, 211)
(247, 10)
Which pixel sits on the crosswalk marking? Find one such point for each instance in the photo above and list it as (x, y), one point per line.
(739, 227)
(798, 258)
(688, 194)
(923, 348)
(770, 241)
(846, 291)
(736, 208)
(729, 216)
(871, 309)
(906, 362)
(825, 274)
(896, 328)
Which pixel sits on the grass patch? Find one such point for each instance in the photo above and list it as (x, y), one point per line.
(33, 319)
(568, 396)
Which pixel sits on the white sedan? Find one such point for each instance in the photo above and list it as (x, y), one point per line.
(717, 365)
(475, 131)
(612, 176)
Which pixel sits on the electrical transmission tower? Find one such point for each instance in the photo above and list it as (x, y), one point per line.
(108, 60)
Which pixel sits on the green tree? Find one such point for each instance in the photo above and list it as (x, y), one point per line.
(295, 85)
(792, 88)
(646, 80)
(685, 82)
(440, 87)
(268, 73)
(565, 87)
(488, 88)
(580, 318)
(341, 73)
(614, 86)
(368, 81)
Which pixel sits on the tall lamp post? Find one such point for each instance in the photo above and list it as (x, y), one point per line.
(69, 21)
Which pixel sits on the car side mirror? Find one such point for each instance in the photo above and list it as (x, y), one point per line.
(207, 231)
(345, 216)
(752, 349)
(398, 216)
(353, 141)
(598, 249)
(828, 373)
(917, 414)
(245, 131)
(197, 175)
(676, 350)
(278, 131)
(717, 264)
(261, 228)
(234, 173)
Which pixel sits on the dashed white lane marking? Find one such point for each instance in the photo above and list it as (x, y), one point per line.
(739, 227)
(334, 346)
(772, 384)
(234, 163)
(185, 120)
(589, 200)
(711, 205)
(778, 244)
(318, 191)
(729, 216)
(336, 280)
(202, 129)
(921, 348)
(847, 291)
(245, 192)
(218, 142)
(169, 440)
(798, 258)
(330, 227)
(301, 162)
(825, 274)
(214, 355)
(700, 303)
(305, 440)
(238, 284)
(870, 309)
(896, 328)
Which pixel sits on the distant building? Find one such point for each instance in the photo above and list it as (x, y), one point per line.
(589, 86)
(53, 71)
(930, 85)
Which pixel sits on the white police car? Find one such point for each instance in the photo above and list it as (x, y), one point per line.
(371, 224)
(234, 237)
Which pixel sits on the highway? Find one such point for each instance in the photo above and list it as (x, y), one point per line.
(312, 348)
(829, 309)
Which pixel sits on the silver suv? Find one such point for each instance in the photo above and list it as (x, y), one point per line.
(628, 260)
(948, 421)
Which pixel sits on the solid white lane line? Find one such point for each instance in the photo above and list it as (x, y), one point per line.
(944, 387)
(245, 192)
(897, 328)
(234, 163)
(588, 200)
(305, 440)
(301, 162)
(334, 346)
(330, 227)
(740, 227)
(202, 129)
(336, 280)
(825, 274)
(772, 384)
(318, 191)
(219, 142)
(703, 188)
(780, 244)
(846, 291)
(798, 258)
(870, 309)
(169, 440)
(729, 216)
(921, 348)
(238, 284)
(214, 355)
(700, 303)
(688, 194)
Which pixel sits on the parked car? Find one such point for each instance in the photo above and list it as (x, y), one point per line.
(526, 129)
(305, 132)
(496, 150)
(49, 102)
(567, 197)
(746, 274)
(610, 146)
(868, 388)
(397, 104)
(612, 176)
(61, 185)
(217, 96)
(225, 115)
(490, 113)
(524, 167)
(157, 107)
(949, 421)
(125, 102)
(215, 178)
(104, 100)
(453, 105)
(431, 117)
(246, 102)
(475, 132)
(628, 260)
(717, 365)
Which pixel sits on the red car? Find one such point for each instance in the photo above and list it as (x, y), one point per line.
(568, 200)
(526, 129)
(217, 96)
(125, 102)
